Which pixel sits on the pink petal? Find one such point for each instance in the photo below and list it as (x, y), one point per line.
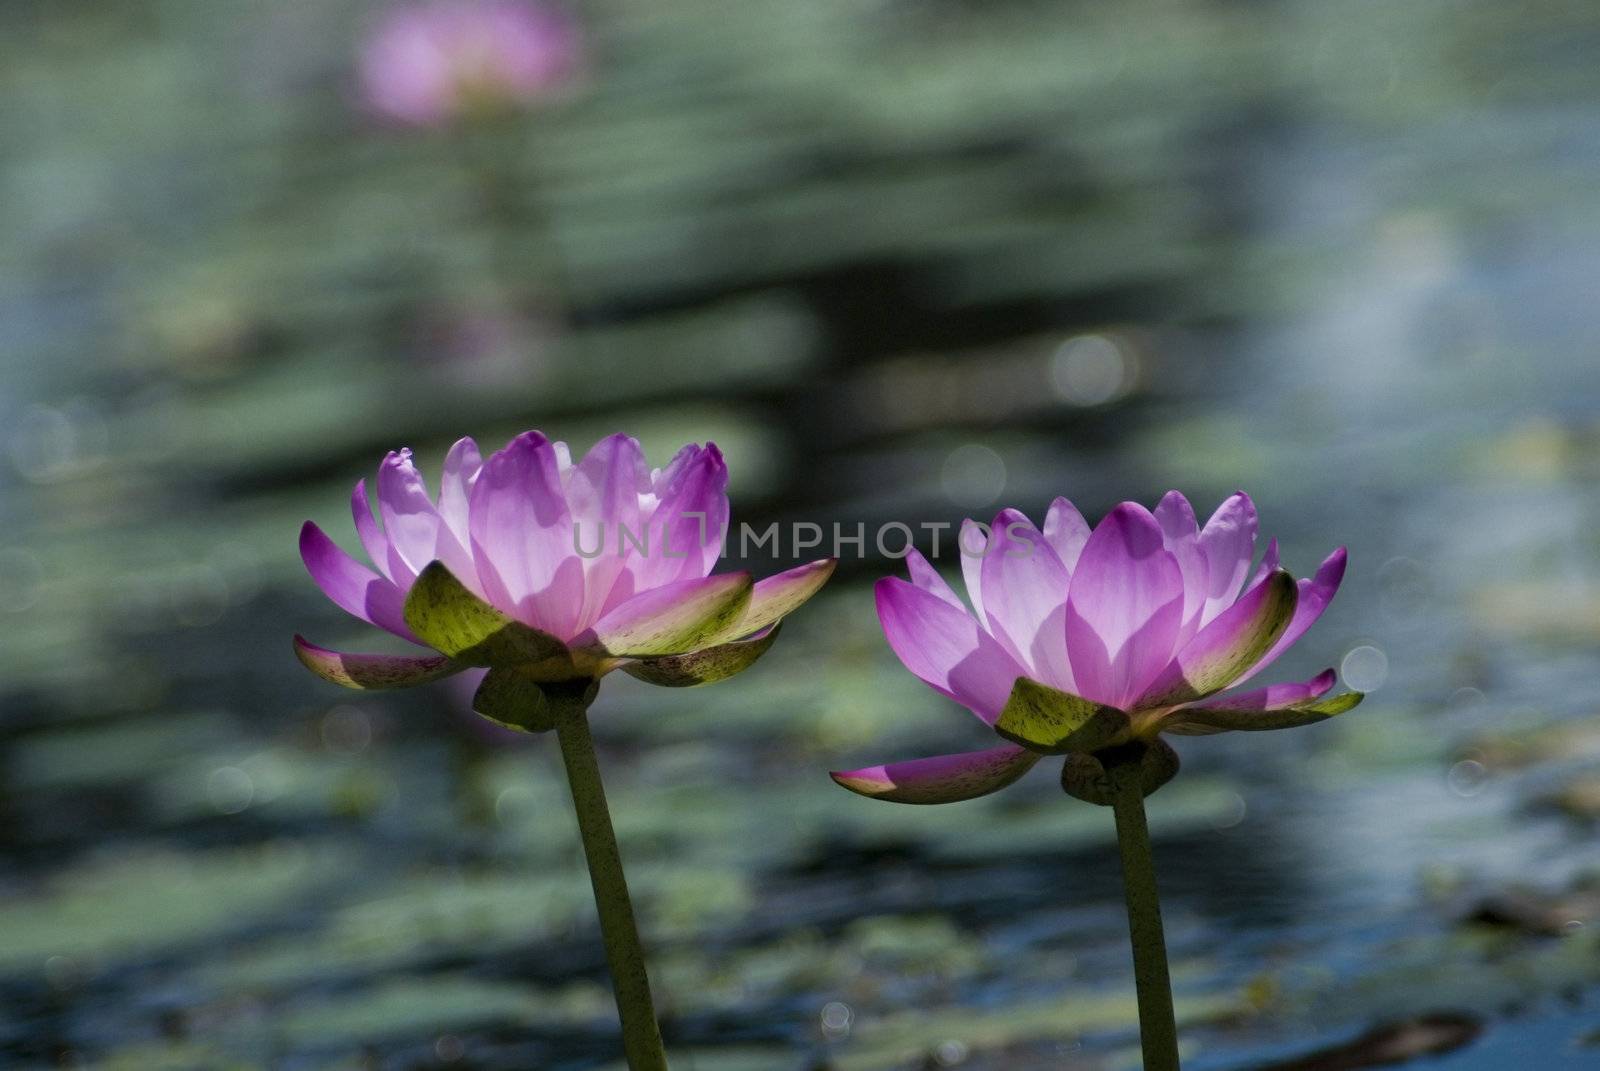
(926, 577)
(1124, 608)
(521, 534)
(1277, 706)
(1066, 531)
(461, 467)
(688, 525)
(603, 494)
(1273, 696)
(352, 586)
(946, 648)
(1181, 534)
(1315, 595)
(1026, 604)
(972, 546)
(945, 779)
(1229, 543)
(373, 541)
(1269, 562)
(410, 521)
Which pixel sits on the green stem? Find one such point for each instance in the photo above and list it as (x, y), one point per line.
(641, 1037)
(1158, 1028)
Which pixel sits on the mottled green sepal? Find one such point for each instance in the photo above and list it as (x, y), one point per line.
(1084, 776)
(1227, 647)
(1053, 722)
(371, 672)
(1204, 721)
(702, 667)
(451, 619)
(675, 618)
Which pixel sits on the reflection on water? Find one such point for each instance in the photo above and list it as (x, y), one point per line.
(903, 262)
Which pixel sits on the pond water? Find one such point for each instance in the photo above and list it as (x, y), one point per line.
(903, 262)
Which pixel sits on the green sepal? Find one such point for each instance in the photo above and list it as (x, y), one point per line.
(1084, 776)
(454, 621)
(372, 672)
(702, 667)
(1200, 721)
(1053, 722)
(1220, 666)
(510, 698)
(673, 619)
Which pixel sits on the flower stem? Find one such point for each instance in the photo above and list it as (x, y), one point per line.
(641, 1037)
(1158, 1028)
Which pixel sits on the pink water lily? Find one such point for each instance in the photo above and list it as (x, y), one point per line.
(1080, 641)
(549, 572)
(429, 63)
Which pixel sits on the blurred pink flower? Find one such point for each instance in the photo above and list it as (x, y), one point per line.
(1080, 641)
(430, 63)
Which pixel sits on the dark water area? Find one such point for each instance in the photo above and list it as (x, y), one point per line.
(903, 262)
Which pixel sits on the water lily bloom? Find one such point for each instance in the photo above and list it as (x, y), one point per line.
(429, 63)
(1093, 643)
(550, 574)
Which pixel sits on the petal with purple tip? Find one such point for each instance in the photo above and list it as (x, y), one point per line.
(675, 618)
(352, 586)
(944, 779)
(1226, 647)
(686, 530)
(372, 671)
(1273, 696)
(1279, 706)
(946, 648)
(1124, 607)
(1025, 588)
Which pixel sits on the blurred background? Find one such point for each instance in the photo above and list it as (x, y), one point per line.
(903, 260)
